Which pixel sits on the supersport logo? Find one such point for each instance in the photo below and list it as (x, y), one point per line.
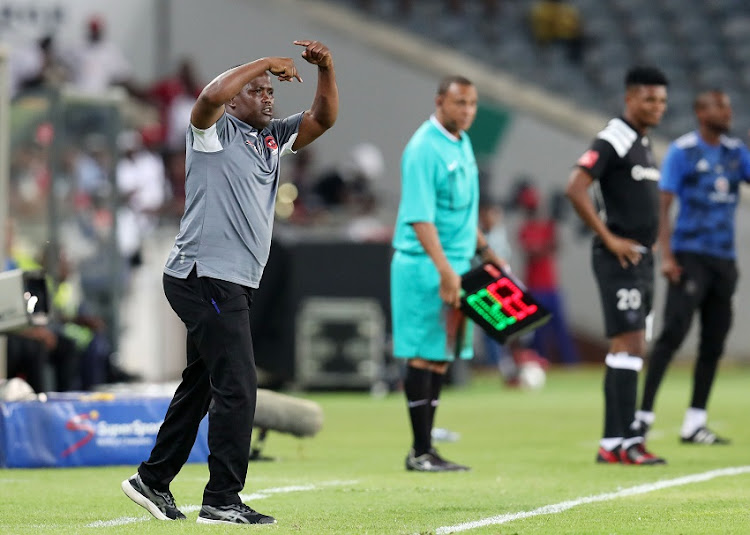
(79, 423)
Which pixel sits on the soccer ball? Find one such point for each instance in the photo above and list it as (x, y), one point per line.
(531, 375)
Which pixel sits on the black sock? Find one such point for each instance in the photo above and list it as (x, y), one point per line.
(627, 382)
(620, 392)
(417, 387)
(436, 384)
(612, 418)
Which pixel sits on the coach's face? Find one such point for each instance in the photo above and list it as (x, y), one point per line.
(457, 108)
(254, 104)
(646, 104)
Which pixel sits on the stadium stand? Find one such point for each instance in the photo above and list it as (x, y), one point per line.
(699, 44)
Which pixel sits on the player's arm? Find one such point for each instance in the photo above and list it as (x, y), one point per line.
(670, 268)
(577, 191)
(450, 281)
(486, 254)
(209, 106)
(673, 168)
(325, 107)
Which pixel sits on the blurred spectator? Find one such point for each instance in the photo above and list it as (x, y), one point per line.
(24, 64)
(34, 351)
(29, 180)
(538, 240)
(558, 22)
(353, 181)
(492, 224)
(174, 97)
(91, 167)
(34, 65)
(141, 185)
(98, 63)
(73, 351)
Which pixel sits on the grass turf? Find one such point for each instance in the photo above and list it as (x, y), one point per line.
(527, 450)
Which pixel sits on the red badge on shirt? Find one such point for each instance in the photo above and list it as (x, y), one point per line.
(271, 143)
(588, 159)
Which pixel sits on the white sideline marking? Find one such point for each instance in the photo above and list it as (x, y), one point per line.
(564, 506)
(261, 494)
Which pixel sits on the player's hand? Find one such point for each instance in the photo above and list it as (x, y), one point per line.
(315, 52)
(671, 269)
(450, 287)
(626, 250)
(284, 69)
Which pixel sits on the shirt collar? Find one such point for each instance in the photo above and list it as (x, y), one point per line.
(442, 129)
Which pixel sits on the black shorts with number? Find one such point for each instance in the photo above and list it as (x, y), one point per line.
(627, 294)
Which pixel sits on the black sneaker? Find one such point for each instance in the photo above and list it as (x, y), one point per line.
(236, 513)
(427, 462)
(703, 435)
(450, 466)
(158, 503)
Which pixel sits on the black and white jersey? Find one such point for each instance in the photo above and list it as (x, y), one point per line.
(622, 163)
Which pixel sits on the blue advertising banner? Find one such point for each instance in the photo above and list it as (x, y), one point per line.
(82, 429)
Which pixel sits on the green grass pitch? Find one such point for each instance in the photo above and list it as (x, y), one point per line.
(527, 450)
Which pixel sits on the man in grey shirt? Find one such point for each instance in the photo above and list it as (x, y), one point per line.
(232, 176)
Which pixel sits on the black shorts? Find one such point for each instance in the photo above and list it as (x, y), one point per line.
(627, 294)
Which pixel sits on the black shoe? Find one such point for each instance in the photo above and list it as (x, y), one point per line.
(236, 513)
(450, 466)
(427, 462)
(703, 435)
(158, 503)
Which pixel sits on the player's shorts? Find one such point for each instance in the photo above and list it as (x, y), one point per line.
(626, 294)
(419, 315)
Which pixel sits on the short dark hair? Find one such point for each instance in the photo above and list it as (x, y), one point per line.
(641, 75)
(446, 82)
(700, 99)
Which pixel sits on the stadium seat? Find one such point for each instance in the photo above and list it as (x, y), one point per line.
(697, 43)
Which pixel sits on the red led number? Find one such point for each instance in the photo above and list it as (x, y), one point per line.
(511, 297)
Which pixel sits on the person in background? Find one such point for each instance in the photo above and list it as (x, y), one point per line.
(538, 239)
(492, 224)
(621, 162)
(436, 237)
(98, 63)
(703, 170)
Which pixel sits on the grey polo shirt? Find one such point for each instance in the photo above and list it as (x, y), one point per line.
(231, 180)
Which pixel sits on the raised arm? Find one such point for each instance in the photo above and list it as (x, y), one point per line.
(210, 104)
(325, 107)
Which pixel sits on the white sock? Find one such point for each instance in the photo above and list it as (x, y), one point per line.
(647, 417)
(694, 419)
(610, 443)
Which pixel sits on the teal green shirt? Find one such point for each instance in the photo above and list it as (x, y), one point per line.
(439, 185)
